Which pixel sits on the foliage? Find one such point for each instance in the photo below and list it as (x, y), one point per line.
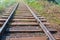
(58, 1)
(5, 3)
(35, 4)
(9, 2)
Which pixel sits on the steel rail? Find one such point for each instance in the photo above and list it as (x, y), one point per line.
(2, 29)
(41, 24)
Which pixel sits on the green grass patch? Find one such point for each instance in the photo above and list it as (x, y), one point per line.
(35, 4)
(6, 3)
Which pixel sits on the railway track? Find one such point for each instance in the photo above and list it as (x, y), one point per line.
(23, 24)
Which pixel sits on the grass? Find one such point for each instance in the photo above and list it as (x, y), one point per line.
(5, 3)
(35, 5)
(1, 8)
(46, 9)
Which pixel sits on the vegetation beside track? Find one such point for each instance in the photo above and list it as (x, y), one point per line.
(49, 10)
(5, 3)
